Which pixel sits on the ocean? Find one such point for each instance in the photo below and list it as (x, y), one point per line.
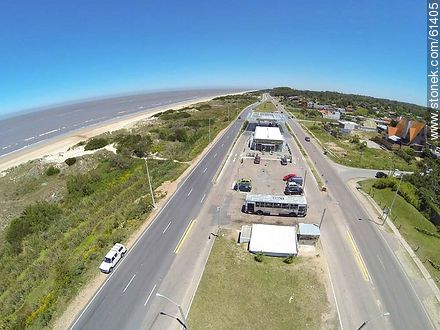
(26, 129)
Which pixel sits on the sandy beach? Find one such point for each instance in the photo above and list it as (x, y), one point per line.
(62, 143)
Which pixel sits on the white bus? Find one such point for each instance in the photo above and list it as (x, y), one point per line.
(293, 205)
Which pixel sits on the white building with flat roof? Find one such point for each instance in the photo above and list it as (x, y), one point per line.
(271, 240)
(267, 139)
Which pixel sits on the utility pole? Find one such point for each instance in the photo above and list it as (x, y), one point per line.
(322, 218)
(149, 182)
(392, 203)
(209, 129)
(218, 219)
(228, 116)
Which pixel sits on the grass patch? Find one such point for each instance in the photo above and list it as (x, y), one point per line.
(408, 219)
(265, 107)
(236, 292)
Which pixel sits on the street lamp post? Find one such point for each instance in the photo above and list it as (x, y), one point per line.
(218, 218)
(392, 203)
(209, 129)
(178, 306)
(149, 182)
(374, 318)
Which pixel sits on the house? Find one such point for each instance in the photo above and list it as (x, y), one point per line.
(330, 114)
(408, 132)
(347, 126)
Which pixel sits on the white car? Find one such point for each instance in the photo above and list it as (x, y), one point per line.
(120, 248)
(110, 261)
(397, 174)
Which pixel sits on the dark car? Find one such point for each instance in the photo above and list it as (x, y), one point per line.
(257, 159)
(293, 190)
(307, 139)
(297, 179)
(283, 161)
(381, 175)
(243, 186)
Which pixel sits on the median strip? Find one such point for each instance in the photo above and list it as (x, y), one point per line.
(359, 257)
(177, 249)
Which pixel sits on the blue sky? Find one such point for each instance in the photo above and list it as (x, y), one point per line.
(53, 51)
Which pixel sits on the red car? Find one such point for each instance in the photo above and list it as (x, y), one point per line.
(288, 176)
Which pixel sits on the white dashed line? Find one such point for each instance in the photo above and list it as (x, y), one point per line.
(129, 282)
(190, 192)
(149, 296)
(205, 170)
(166, 228)
(203, 198)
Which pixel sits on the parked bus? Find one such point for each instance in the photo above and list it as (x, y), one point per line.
(293, 205)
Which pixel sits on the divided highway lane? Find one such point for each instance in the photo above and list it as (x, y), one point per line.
(122, 301)
(393, 286)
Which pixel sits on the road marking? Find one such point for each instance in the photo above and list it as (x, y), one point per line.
(129, 282)
(185, 234)
(383, 266)
(215, 155)
(223, 144)
(166, 228)
(205, 170)
(203, 198)
(358, 256)
(149, 296)
(190, 192)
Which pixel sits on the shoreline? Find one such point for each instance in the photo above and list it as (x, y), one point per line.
(63, 142)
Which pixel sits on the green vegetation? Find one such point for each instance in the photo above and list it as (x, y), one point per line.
(236, 292)
(52, 171)
(348, 150)
(266, 107)
(359, 102)
(57, 228)
(96, 143)
(411, 224)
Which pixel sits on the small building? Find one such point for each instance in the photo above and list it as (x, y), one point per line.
(409, 132)
(267, 139)
(330, 114)
(272, 240)
(347, 126)
(308, 234)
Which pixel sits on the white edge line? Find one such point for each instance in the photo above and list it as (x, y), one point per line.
(149, 296)
(166, 228)
(129, 282)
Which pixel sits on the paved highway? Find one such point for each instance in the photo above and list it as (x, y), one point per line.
(123, 300)
(388, 279)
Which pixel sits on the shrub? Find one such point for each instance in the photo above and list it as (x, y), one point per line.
(35, 218)
(289, 260)
(96, 143)
(259, 257)
(80, 185)
(52, 171)
(70, 161)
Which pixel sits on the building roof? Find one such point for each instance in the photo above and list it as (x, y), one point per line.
(268, 133)
(394, 138)
(266, 116)
(288, 199)
(273, 240)
(308, 229)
